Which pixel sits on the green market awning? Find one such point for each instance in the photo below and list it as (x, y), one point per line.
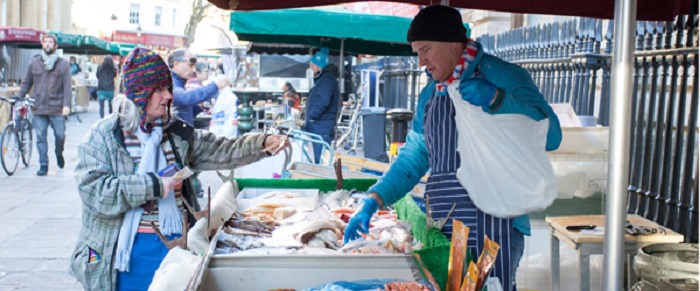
(67, 40)
(362, 33)
(91, 45)
(99, 45)
(125, 48)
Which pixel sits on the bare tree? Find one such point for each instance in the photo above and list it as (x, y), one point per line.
(199, 11)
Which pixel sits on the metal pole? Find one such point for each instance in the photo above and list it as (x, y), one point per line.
(618, 171)
(341, 69)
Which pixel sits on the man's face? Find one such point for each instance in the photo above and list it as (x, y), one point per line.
(439, 58)
(49, 45)
(314, 67)
(184, 67)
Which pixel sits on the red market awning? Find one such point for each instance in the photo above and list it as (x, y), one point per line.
(646, 9)
(148, 39)
(20, 35)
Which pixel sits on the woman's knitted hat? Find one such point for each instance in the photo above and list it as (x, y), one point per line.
(144, 72)
(437, 23)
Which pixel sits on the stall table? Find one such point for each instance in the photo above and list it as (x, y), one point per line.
(82, 92)
(587, 245)
(266, 272)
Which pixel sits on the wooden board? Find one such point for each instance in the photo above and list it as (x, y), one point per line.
(560, 223)
(354, 163)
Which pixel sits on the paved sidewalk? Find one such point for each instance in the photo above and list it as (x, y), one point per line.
(41, 217)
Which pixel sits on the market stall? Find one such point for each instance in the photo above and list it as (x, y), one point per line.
(287, 234)
(624, 13)
(88, 45)
(17, 43)
(12, 40)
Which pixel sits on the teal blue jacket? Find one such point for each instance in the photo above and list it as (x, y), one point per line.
(522, 97)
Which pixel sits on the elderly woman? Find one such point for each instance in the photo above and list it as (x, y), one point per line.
(119, 184)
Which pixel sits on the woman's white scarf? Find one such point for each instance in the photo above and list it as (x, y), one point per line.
(169, 216)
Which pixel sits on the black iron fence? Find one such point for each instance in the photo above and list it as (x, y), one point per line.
(570, 63)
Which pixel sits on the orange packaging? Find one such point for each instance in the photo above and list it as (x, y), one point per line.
(469, 283)
(486, 260)
(458, 251)
(428, 276)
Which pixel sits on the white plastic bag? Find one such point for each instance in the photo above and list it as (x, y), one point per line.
(175, 271)
(224, 114)
(504, 166)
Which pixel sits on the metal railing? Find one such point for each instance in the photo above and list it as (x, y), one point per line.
(570, 63)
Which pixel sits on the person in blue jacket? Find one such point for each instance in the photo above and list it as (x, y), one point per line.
(322, 103)
(439, 38)
(182, 65)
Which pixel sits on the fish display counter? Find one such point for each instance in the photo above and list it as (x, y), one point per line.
(287, 234)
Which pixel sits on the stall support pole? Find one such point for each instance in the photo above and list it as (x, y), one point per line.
(618, 166)
(341, 72)
(341, 68)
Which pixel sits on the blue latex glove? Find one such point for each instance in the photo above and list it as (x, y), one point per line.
(477, 91)
(360, 221)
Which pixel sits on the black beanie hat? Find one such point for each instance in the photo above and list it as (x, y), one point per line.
(437, 23)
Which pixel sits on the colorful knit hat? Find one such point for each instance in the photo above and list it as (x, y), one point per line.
(144, 72)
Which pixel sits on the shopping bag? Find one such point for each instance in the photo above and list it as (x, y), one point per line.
(224, 114)
(504, 166)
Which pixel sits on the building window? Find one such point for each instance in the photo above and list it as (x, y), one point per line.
(134, 13)
(174, 17)
(159, 12)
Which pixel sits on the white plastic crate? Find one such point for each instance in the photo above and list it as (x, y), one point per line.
(240, 272)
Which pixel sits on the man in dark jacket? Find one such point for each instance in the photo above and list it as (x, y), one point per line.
(182, 65)
(50, 76)
(322, 104)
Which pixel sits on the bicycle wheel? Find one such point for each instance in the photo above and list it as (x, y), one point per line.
(25, 136)
(10, 150)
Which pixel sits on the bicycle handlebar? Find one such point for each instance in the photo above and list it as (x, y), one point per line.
(13, 99)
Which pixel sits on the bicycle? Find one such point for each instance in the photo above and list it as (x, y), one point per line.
(16, 139)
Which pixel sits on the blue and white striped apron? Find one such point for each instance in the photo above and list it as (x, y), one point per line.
(443, 189)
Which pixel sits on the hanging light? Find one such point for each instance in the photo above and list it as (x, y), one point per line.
(138, 34)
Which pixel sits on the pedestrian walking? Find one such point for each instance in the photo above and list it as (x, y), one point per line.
(106, 73)
(50, 78)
